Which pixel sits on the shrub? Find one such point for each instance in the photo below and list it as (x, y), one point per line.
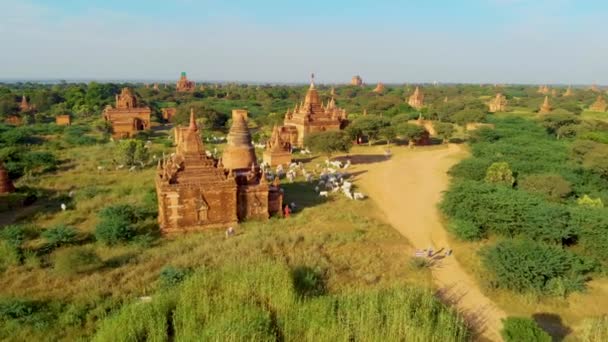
(550, 185)
(59, 236)
(526, 265)
(587, 201)
(76, 260)
(419, 263)
(170, 276)
(13, 308)
(522, 329)
(117, 224)
(308, 282)
(466, 230)
(500, 173)
(328, 143)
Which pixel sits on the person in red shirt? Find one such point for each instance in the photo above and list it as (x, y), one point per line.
(286, 211)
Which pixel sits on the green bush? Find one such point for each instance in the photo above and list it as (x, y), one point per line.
(171, 276)
(76, 260)
(526, 265)
(522, 329)
(500, 173)
(550, 185)
(466, 230)
(308, 282)
(59, 236)
(117, 224)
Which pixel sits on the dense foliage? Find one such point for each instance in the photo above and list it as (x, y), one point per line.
(519, 329)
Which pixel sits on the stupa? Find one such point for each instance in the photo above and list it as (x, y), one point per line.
(277, 152)
(416, 100)
(379, 88)
(546, 106)
(183, 84)
(543, 90)
(569, 91)
(6, 185)
(168, 113)
(312, 116)
(155, 87)
(594, 88)
(599, 105)
(356, 81)
(239, 153)
(196, 192)
(498, 104)
(24, 106)
(127, 118)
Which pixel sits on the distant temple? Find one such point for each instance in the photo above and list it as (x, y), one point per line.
(356, 81)
(379, 88)
(311, 116)
(63, 120)
(183, 84)
(599, 105)
(594, 88)
(127, 118)
(498, 104)
(155, 86)
(197, 192)
(24, 106)
(546, 106)
(416, 100)
(543, 90)
(277, 151)
(168, 113)
(6, 185)
(569, 91)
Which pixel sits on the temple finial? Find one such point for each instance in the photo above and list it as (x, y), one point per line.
(312, 80)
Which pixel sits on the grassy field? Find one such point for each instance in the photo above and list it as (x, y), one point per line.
(359, 260)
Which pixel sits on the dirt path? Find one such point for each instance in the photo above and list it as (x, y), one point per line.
(408, 188)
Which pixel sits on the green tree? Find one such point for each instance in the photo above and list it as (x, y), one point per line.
(500, 173)
(369, 126)
(411, 132)
(466, 116)
(132, 152)
(551, 185)
(328, 143)
(444, 130)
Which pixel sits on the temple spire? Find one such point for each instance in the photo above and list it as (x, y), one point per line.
(192, 126)
(312, 81)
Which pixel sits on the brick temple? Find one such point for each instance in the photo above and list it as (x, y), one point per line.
(183, 84)
(63, 120)
(168, 113)
(277, 151)
(197, 192)
(312, 116)
(379, 88)
(498, 104)
(416, 100)
(599, 105)
(127, 118)
(356, 81)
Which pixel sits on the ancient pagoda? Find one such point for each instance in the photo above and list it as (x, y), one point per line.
(599, 105)
(594, 88)
(311, 116)
(546, 106)
(24, 106)
(239, 153)
(416, 100)
(155, 86)
(127, 118)
(168, 113)
(195, 191)
(543, 90)
(6, 185)
(277, 151)
(379, 88)
(356, 81)
(498, 104)
(183, 84)
(569, 92)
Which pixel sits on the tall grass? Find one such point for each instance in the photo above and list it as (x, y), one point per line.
(257, 301)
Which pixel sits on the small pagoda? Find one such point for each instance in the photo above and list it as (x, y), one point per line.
(599, 105)
(239, 153)
(277, 151)
(543, 90)
(498, 104)
(127, 118)
(546, 106)
(416, 100)
(24, 106)
(183, 84)
(356, 81)
(569, 92)
(379, 88)
(6, 185)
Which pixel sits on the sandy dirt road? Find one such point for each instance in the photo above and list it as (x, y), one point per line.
(407, 188)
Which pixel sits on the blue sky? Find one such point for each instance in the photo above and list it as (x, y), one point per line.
(490, 41)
